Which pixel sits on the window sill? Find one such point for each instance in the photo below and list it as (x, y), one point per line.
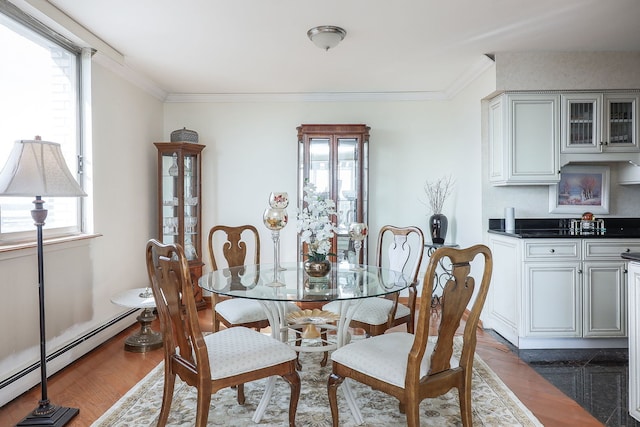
(9, 247)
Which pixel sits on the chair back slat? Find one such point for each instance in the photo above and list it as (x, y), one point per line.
(457, 293)
(407, 244)
(234, 243)
(455, 298)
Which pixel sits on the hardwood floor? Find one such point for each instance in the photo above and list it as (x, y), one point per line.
(96, 381)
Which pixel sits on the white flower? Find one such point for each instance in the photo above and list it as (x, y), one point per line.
(314, 223)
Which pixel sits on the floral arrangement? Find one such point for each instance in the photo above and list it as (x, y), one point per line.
(314, 223)
(437, 192)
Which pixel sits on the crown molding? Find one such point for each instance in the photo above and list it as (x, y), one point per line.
(130, 75)
(481, 65)
(472, 73)
(305, 97)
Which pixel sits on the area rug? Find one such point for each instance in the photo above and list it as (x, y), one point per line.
(492, 402)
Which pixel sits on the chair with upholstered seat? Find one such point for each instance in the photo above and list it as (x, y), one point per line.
(227, 358)
(405, 247)
(233, 247)
(412, 367)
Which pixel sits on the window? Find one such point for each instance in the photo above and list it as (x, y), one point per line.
(40, 87)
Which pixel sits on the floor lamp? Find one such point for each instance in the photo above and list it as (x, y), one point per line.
(37, 168)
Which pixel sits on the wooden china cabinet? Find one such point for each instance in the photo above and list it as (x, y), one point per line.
(180, 203)
(335, 158)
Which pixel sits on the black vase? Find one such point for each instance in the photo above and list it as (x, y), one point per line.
(438, 226)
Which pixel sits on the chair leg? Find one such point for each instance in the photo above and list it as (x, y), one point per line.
(167, 397)
(413, 413)
(216, 321)
(202, 407)
(294, 381)
(325, 357)
(464, 395)
(332, 390)
(240, 390)
(298, 344)
(411, 324)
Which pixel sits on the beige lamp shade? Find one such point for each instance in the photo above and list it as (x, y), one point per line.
(37, 168)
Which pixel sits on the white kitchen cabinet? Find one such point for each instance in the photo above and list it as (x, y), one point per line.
(503, 300)
(552, 288)
(552, 301)
(582, 122)
(599, 123)
(605, 308)
(524, 139)
(559, 293)
(633, 288)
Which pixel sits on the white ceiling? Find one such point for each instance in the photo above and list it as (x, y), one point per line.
(261, 46)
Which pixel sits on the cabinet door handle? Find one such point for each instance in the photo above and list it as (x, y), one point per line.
(580, 271)
(628, 250)
(552, 250)
(625, 271)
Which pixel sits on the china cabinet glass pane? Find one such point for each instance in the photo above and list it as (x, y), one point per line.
(319, 165)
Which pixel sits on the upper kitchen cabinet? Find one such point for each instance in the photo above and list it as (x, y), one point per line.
(335, 159)
(594, 123)
(524, 139)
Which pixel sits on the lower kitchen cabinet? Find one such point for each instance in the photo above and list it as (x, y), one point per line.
(604, 299)
(559, 293)
(634, 339)
(552, 299)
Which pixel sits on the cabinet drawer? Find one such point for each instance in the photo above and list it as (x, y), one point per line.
(550, 250)
(609, 249)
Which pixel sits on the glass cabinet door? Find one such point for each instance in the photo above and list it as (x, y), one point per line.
(582, 114)
(621, 123)
(179, 202)
(595, 123)
(334, 158)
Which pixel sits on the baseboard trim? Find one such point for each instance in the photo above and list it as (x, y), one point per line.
(28, 377)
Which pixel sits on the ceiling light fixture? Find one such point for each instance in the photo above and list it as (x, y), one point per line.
(326, 36)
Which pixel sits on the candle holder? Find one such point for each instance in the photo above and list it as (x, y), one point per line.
(279, 200)
(275, 220)
(357, 232)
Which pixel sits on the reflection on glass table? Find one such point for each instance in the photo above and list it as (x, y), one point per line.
(343, 284)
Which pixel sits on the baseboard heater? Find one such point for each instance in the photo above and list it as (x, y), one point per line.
(27, 370)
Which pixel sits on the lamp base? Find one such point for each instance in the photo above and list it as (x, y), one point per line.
(52, 415)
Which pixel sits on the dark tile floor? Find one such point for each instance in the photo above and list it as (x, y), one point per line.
(595, 378)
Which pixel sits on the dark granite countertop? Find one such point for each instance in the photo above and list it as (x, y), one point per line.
(552, 228)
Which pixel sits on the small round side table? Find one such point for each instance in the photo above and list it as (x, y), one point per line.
(145, 339)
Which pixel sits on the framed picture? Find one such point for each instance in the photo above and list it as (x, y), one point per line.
(581, 189)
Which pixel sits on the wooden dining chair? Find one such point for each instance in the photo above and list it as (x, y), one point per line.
(227, 358)
(232, 247)
(413, 367)
(404, 251)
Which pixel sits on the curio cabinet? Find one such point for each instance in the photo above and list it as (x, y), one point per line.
(179, 203)
(335, 159)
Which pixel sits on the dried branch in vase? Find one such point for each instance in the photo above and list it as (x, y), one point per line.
(438, 191)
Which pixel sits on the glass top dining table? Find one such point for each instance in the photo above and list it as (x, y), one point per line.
(344, 282)
(274, 288)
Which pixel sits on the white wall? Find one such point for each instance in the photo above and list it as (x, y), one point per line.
(81, 277)
(252, 150)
